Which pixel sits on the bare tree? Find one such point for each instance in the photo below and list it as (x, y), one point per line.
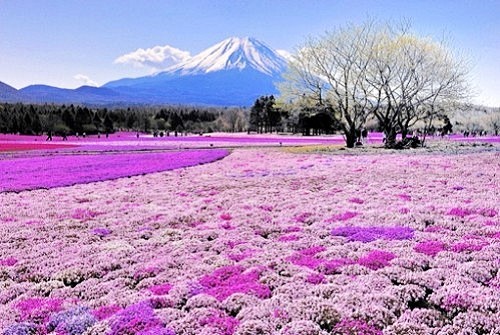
(330, 71)
(234, 118)
(416, 77)
(398, 77)
(493, 122)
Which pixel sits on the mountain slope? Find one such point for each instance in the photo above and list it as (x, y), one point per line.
(83, 94)
(9, 93)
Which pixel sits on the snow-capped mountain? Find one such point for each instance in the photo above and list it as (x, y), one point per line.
(235, 71)
(233, 53)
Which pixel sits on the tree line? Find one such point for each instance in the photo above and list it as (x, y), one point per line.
(34, 119)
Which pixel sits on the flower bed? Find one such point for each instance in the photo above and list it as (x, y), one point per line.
(9, 147)
(62, 170)
(261, 242)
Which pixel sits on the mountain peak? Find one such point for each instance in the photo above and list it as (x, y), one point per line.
(233, 53)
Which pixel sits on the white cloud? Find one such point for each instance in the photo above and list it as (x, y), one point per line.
(85, 80)
(285, 54)
(158, 57)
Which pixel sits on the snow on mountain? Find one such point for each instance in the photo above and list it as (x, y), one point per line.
(230, 54)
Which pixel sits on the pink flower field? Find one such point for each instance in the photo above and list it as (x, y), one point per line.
(259, 241)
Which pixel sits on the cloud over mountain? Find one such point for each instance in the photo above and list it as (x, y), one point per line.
(157, 57)
(85, 80)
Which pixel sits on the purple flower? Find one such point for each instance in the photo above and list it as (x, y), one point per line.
(72, 322)
(469, 246)
(134, 319)
(405, 197)
(22, 328)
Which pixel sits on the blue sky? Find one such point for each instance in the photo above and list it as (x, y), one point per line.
(67, 43)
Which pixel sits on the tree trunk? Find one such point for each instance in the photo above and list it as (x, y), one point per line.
(350, 138)
(390, 138)
(404, 133)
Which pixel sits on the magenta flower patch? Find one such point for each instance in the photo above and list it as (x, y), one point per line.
(38, 310)
(302, 217)
(369, 234)
(228, 280)
(101, 232)
(333, 266)
(355, 327)
(460, 212)
(405, 197)
(357, 201)
(469, 246)
(223, 325)
(288, 238)
(430, 248)
(105, 312)
(9, 261)
(160, 289)
(226, 216)
(83, 214)
(316, 278)
(376, 259)
(488, 212)
(307, 257)
(342, 217)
